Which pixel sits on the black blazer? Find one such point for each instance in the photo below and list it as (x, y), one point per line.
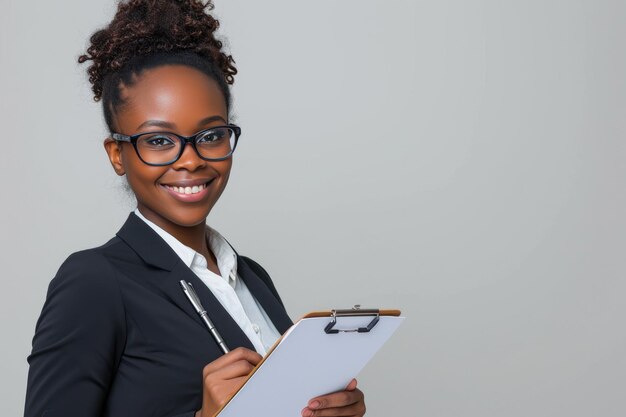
(117, 337)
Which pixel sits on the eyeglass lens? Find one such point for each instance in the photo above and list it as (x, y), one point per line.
(161, 148)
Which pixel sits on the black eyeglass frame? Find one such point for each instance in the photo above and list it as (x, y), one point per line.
(185, 140)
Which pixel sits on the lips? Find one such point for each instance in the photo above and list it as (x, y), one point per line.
(188, 190)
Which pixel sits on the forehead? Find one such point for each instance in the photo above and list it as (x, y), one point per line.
(177, 94)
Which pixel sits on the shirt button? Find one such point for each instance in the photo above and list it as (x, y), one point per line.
(256, 328)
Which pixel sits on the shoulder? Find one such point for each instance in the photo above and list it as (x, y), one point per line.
(261, 273)
(88, 275)
(94, 261)
(83, 304)
(256, 267)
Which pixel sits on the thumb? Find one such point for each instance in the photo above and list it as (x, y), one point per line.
(352, 385)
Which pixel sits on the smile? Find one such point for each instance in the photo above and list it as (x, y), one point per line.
(189, 193)
(187, 190)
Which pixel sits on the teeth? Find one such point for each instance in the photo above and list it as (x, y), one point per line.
(187, 190)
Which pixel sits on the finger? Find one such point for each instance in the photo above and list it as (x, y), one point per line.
(352, 385)
(357, 409)
(234, 370)
(222, 392)
(336, 399)
(233, 356)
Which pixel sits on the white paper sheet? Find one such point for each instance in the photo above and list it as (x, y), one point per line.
(307, 363)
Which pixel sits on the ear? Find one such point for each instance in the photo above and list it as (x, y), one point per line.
(114, 150)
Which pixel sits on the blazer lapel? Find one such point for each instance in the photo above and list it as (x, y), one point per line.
(223, 321)
(264, 296)
(153, 250)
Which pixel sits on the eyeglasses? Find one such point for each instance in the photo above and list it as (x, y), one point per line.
(164, 148)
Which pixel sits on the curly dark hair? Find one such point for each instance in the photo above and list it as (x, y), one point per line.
(146, 34)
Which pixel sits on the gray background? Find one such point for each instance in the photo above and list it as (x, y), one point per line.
(460, 160)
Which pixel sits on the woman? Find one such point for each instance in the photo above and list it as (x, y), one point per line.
(116, 336)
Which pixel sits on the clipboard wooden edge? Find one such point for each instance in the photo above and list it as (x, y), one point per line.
(312, 314)
(316, 314)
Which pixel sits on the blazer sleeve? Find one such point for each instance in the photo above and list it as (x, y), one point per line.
(79, 338)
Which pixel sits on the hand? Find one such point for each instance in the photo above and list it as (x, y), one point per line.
(223, 377)
(350, 402)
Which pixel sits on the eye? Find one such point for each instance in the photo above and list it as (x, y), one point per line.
(157, 141)
(212, 137)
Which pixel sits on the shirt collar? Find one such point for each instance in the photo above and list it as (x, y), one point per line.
(224, 253)
(226, 257)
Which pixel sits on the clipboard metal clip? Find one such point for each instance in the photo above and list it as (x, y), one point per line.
(354, 311)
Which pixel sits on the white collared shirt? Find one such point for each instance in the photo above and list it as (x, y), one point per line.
(230, 290)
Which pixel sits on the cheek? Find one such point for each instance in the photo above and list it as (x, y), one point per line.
(139, 175)
(223, 167)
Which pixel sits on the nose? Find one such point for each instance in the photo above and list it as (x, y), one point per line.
(189, 159)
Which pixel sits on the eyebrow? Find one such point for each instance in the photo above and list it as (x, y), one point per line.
(169, 125)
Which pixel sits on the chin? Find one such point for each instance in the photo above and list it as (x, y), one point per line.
(186, 219)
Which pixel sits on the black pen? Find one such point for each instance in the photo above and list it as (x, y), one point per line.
(195, 301)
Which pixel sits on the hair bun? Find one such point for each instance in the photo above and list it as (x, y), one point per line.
(144, 27)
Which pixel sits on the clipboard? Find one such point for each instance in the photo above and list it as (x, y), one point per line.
(319, 354)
